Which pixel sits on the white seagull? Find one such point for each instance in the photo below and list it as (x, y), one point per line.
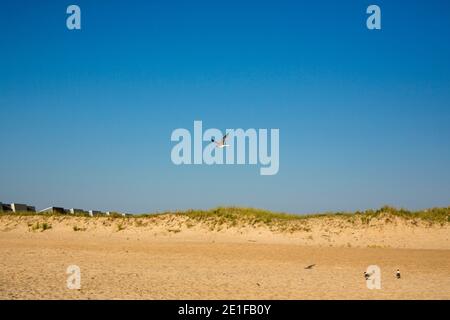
(221, 143)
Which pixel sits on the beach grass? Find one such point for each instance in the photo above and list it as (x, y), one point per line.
(233, 215)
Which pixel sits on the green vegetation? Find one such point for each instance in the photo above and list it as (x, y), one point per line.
(43, 214)
(231, 216)
(139, 223)
(120, 227)
(440, 215)
(115, 215)
(41, 226)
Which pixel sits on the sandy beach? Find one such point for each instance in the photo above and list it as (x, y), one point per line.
(172, 257)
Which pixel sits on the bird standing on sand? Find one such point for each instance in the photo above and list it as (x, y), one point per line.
(366, 275)
(221, 143)
(398, 274)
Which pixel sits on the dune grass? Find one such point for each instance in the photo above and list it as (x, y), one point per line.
(40, 226)
(233, 215)
(440, 215)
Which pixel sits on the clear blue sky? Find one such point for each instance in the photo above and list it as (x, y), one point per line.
(86, 116)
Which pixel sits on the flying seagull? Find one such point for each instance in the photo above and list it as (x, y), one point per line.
(221, 143)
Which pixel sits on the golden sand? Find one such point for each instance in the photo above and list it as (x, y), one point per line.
(171, 257)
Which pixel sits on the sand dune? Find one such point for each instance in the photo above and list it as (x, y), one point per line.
(176, 256)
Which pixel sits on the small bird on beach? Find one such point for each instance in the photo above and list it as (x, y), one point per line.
(310, 266)
(221, 143)
(366, 275)
(397, 274)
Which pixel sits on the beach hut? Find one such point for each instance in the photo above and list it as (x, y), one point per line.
(16, 207)
(54, 210)
(77, 211)
(19, 207)
(6, 207)
(95, 213)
